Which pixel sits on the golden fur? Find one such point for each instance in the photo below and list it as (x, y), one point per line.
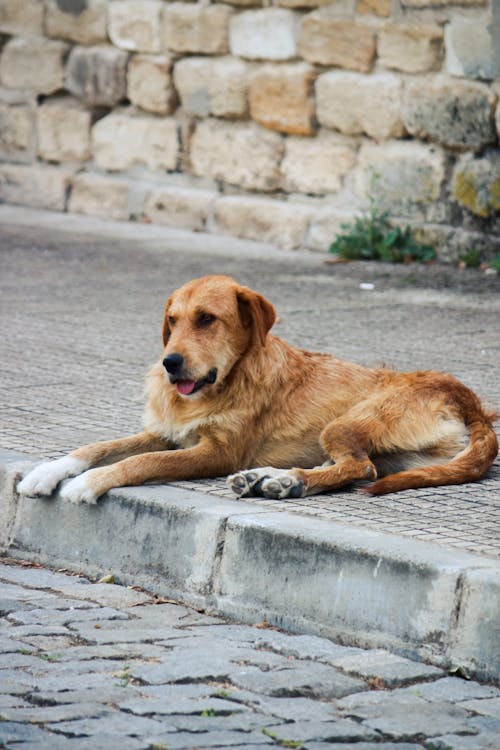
(273, 405)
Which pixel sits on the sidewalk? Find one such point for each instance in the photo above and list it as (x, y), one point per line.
(82, 299)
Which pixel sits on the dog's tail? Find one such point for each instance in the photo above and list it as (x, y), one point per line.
(467, 466)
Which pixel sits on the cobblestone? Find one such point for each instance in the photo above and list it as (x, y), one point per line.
(218, 684)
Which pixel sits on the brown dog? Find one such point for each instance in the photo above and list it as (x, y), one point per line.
(227, 396)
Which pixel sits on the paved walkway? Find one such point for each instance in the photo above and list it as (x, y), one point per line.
(81, 303)
(95, 666)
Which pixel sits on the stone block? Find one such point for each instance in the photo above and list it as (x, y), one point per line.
(281, 98)
(284, 224)
(149, 83)
(34, 186)
(180, 207)
(325, 225)
(472, 49)
(63, 130)
(239, 154)
(316, 165)
(97, 195)
(267, 34)
(33, 63)
(123, 139)
(135, 24)
(411, 49)
(24, 17)
(212, 86)
(380, 8)
(458, 114)
(196, 28)
(354, 103)
(82, 21)
(17, 129)
(97, 74)
(301, 3)
(404, 177)
(433, 3)
(476, 184)
(328, 40)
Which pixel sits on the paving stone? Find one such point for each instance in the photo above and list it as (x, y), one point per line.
(392, 669)
(318, 680)
(48, 642)
(292, 709)
(170, 704)
(393, 719)
(48, 714)
(17, 661)
(343, 730)
(97, 74)
(13, 732)
(12, 701)
(458, 742)
(114, 652)
(190, 741)
(240, 721)
(117, 724)
(107, 594)
(485, 706)
(306, 647)
(451, 689)
(103, 695)
(362, 746)
(36, 578)
(132, 634)
(21, 631)
(104, 741)
(69, 614)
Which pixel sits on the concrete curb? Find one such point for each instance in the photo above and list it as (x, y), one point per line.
(303, 574)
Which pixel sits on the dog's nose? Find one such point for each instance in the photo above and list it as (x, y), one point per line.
(173, 363)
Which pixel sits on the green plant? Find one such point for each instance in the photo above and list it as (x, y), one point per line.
(471, 259)
(495, 262)
(371, 236)
(208, 712)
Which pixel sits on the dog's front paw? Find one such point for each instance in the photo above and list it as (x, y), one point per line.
(43, 479)
(276, 484)
(80, 490)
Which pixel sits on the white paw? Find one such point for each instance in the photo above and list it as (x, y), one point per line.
(277, 484)
(44, 478)
(78, 490)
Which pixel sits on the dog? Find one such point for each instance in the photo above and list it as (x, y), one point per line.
(228, 397)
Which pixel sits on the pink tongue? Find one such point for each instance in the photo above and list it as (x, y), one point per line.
(185, 387)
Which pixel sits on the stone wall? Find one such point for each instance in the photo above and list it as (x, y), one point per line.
(263, 119)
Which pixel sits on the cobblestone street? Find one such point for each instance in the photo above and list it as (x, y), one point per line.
(95, 665)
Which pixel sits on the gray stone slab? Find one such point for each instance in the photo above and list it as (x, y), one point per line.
(292, 709)
(68, 615)
(14, 732)
(190, 741)
(393, 670)
(393, 719)
(453, 689)
(463, 742)
(484, 706)
(318, 680)
(342, 730)
(117, 725)
(361, 746)
(180, 706)
(50, 714)
(50, 741)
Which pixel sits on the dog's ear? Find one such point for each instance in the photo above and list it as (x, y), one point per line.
(166, 327)
(256, 312)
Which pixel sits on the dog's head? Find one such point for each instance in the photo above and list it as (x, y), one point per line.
(209, 325)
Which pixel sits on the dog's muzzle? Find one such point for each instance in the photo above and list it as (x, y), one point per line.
(174, 365)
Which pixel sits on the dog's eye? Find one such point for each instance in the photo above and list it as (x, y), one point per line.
(171, 321)
(205, 319)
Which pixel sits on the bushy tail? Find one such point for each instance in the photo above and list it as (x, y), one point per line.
(468, 466)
